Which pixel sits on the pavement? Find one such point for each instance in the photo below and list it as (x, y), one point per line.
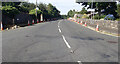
(58, 41)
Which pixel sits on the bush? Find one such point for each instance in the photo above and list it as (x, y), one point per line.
(84, 16)
(118, 19)
(103, 16)
(99, 17)
(96, 17)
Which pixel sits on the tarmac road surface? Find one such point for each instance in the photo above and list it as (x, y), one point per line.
(58, 41)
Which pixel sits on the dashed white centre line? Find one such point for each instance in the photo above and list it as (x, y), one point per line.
(60, 30)
(64, 37)
(58, 26)
(66, 42)
(79, 61)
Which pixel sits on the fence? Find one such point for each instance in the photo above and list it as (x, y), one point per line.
(21, 20)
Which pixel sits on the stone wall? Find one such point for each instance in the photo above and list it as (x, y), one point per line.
(104, 25)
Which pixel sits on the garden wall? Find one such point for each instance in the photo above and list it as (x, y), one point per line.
(104, 25)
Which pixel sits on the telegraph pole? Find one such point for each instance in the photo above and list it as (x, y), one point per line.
(92, 12)
(91, 9)
(36, 8)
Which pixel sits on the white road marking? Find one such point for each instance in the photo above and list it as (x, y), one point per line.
(63, 37)
(79, 61)
(60, 30)
(66, 42)
(58, 26)
(59, 23)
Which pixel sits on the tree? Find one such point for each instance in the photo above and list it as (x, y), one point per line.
(26, 7)
(43, 8)
(118, 9)
(83, 11)
(71, 13)
(33, 12)
(12, 8)
(10, 11)
(64, 16)
(53, 12)
(13, 4)
(107, 7)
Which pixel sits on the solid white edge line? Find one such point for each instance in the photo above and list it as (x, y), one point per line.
(66, 42)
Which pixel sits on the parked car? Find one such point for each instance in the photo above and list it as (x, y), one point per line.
(109, 17)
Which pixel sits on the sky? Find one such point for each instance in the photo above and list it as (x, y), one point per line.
(62, 5)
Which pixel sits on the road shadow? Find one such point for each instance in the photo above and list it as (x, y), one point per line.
(87, 38)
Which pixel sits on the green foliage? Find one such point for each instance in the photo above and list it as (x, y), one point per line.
(42, 6)
(48, 11)
(99, 17)
(12, 8)
(0, 4)
(96, 17)
(64, 16)
(84, 16)
(118, 19)
(13, 4)
(118, 9)
(10, 11)
(83, 11)
(26, 7)
(109, 7)
(71, 13)
(102, 16)
(29, 6)
(52, 11)
(33, 12)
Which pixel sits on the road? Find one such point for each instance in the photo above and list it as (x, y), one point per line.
(53, 42)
